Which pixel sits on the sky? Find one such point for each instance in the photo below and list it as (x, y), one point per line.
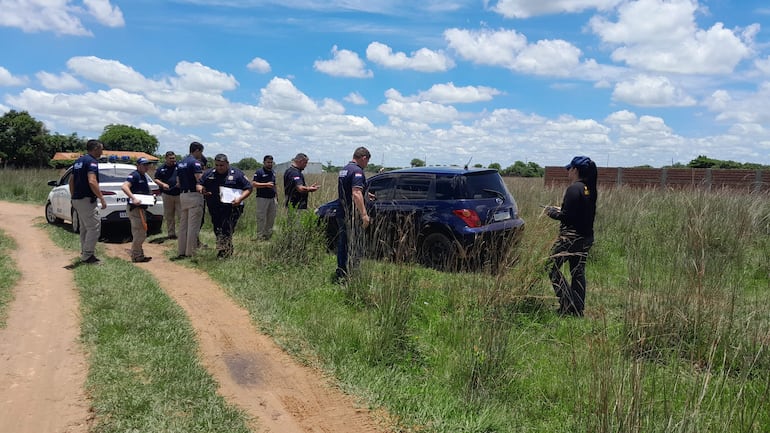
(449, 82)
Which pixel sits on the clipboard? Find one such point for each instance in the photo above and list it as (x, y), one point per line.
(228, 195)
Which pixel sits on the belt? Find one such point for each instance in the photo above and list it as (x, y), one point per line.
(188, 190)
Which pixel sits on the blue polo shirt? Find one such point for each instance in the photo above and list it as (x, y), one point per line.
(264, 176)
(84, 165)
(351, 176)
(168, 175)
(186, 171)
(233, 178)
(139, 185)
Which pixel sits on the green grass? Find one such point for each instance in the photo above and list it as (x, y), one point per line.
(675, 338)
(9, 275)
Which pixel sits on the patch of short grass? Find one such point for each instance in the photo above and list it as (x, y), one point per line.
(9, 275)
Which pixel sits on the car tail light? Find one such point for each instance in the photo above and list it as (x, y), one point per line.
(109, 193)
(469, 217)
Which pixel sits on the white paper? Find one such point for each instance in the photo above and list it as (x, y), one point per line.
(143, 199)
(228, 195)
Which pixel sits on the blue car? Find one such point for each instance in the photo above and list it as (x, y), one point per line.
(447, 218)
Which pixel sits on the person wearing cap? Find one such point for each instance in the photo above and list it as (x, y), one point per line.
(166, 178)
(138, 182)
(576, 235)
(294, 187)
(84, 191)
(188, 172)
(225, 188)
(350, 229)
(264, 185)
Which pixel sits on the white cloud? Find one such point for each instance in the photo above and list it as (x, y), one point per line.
(355, 98)
(259, 64)
(281, 94)
(510, 49)
(197, 77)
(105, 13)
(743, 108)
(63, 81)
(448, 94)
(9, 80)
(57, 16)
(344, 64)
(109, 72)
(662, 36)
(763, 65)
(423, 60)
(424, 112)
(529, 8)
(651, 91)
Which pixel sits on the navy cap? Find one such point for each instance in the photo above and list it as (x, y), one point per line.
(142, 161)
(578, 161)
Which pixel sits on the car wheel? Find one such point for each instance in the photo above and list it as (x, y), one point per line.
(438, 252)
(50, 217)
(75, 221)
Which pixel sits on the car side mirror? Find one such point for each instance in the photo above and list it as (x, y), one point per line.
(53, 183)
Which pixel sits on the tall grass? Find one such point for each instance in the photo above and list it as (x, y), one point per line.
(9, 275)
(675, 337)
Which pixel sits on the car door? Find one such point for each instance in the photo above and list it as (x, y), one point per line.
(404, 212)
(61, 196)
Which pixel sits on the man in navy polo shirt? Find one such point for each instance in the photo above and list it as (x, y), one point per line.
(188, 172)
(225, 188)
(137, 183)
(264, 185)
(84, 191)
(165, 177)
(350, 188)
(294, 186)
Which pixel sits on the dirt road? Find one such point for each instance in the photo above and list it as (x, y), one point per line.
(42, 366)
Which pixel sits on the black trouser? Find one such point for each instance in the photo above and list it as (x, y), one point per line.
(224, 217)
(574, 249)
(350, 241)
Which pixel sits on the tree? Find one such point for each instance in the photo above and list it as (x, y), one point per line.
(417, 163)
(23, 140)
(495, 166)
(248, 164)
(124, 137)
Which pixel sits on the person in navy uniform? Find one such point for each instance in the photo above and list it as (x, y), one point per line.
(188, 172)
(165, 177)
(224, 212)
(264, 185)
(576, 235)
(294, 187)
(350, 188)
(138, 183)
(84, 191)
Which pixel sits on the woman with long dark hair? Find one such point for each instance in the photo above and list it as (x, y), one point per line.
(576, 235)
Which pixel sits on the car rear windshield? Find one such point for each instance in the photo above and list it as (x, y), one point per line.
(470, 186)
(114, 174)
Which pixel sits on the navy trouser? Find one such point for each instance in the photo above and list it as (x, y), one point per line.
(224, 217)
(350, 240)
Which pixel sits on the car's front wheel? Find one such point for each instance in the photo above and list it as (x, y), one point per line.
(439, 252)
(51, 217)
(75, 221)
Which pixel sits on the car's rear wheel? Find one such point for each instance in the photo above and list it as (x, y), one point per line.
(439, 252)
(75, 221)
(50, 217)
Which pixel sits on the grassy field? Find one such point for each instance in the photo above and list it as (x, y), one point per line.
(675, 337)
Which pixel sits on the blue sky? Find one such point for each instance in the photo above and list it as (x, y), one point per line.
(446, 81)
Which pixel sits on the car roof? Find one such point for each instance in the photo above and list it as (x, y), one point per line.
(116, 165)
(453, 170)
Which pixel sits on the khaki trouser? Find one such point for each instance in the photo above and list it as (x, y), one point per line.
(137, 216)
(266, 209)
(189, 222)
(90, 225)
(172, 209)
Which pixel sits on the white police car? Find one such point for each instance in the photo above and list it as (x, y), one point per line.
(111, 177)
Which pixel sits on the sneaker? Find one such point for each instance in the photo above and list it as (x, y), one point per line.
(143, 259)
(180, 257)
(92, 260)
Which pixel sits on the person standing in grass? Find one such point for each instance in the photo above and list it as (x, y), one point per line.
(225, 210)
(297, 192)
(137, 183)
(165, 177)
(189, 170)
(350, 188)
(264, 185)
(84, 191)
(576, 235)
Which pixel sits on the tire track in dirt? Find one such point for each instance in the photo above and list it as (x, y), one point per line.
(42, 364)
(253, 373)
